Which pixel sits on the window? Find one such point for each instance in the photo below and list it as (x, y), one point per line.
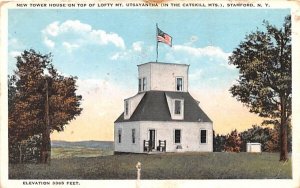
(177, 136)
(140, 84)
(133, 136)
(126, 108)
(179, 84)
(177, 107)
(203, 136)
(144, 84)
(120, 135)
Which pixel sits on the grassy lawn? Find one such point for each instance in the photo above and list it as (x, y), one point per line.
(162, 166)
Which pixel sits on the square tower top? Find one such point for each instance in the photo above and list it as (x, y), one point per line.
(163, 77)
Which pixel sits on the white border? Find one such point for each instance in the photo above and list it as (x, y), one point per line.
(295, 182)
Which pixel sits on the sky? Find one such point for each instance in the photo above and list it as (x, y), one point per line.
(103, 47)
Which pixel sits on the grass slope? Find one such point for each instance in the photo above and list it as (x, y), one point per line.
(163, 166)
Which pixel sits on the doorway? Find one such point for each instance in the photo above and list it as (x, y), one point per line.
(152, 139)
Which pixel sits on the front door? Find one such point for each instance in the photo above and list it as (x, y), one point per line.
(152, 139)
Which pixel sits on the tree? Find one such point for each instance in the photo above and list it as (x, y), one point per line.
(40, 103)
(268, 138)
(265, 80)
(25, 92)
(219, 143)
(271, 144)
(233, 142)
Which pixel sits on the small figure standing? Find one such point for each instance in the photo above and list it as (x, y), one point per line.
(138, 168)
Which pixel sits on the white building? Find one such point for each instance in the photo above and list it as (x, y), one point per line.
(163, 116)
(254, 147)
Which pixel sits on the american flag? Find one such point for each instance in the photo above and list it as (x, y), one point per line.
(164, 37)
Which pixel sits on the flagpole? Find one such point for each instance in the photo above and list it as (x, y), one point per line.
(156, 42)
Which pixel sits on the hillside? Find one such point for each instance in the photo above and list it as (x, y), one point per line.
(82, 144)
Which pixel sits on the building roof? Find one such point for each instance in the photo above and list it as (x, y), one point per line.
(154, 107)
(164, 63)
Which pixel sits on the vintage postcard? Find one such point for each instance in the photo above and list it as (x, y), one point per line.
(150, 93)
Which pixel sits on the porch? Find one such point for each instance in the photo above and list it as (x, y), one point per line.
(149, 146)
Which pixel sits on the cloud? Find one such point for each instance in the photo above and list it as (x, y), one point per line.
(74, 26)
(15, 44)
(137, 46)
(52, 29)
(119, 55)
(15, 48)
(210, 51)
(103, 38)
(193, 39)
(196, 75)
(70, 47)
(14, 53)
(103, 88)
(227, 66)
(49, 43)
(138, 52)
(73, 34)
